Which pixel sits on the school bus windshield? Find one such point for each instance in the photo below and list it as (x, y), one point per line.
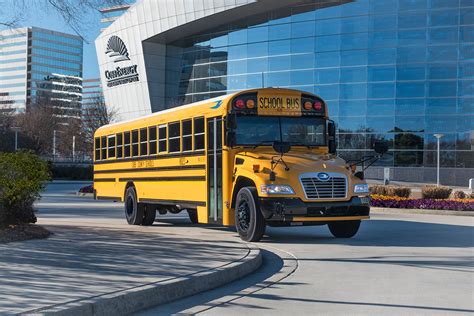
(263, 130)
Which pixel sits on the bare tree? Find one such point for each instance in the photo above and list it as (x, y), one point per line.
(73, 12)
(37, 125)
(6, 132)
(95, 115)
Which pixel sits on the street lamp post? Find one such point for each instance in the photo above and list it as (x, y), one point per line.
(16, 130)
(73, 148)
(438, 137)
(54, 145)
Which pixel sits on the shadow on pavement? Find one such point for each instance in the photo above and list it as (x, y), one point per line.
(271, 264)
(383, 233)
(80, 262)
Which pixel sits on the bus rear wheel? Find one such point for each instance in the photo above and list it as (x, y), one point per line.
(134, 211)
(150, 215)
(249, 220)
(344, 229)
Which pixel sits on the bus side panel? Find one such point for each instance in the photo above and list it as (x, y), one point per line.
(108, 190)
(184, 191)
(203, 217)
(228, 218)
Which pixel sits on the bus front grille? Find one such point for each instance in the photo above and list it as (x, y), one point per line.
(335, 187)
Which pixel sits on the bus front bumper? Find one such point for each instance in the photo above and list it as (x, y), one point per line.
(295, 210)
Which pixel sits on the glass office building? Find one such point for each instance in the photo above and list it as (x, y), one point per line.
(39, 65)
(398, 70)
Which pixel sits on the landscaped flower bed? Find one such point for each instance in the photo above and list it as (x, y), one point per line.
(430, 204)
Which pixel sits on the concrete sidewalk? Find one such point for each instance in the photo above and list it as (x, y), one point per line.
(94, 254)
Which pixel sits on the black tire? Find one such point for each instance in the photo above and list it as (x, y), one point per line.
(249, 220)
(193, 216)
(134, 211)
(150, 215)
(344, 229)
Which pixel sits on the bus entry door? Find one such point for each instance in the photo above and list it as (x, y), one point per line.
(214, 169)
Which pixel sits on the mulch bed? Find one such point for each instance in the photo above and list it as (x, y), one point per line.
(22, 232)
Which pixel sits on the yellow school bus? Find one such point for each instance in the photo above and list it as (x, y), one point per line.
(250, 159)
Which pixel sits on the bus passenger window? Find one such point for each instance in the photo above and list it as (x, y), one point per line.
(119, 140)
(187, 135)
(143, 142)
(126, 146)
(134, 143)
(97, 148)
(152, 139)
(198, 133)
(103, 148)
(111, 146)
(174, 137)
(162, 138)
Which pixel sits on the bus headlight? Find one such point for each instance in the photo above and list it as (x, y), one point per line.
(276, 189)
(361, 188)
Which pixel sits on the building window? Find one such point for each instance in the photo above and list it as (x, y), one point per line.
(126, 146)
(174, 139)
(162, 144)
(135, 143)
(103, 148)
(198, 133)
(119, 138)
(143, 142)
(111, 146)
(152, 140)
(187, 127)
(97, 149)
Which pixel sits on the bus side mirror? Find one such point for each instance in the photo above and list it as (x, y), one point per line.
(332, 137)
(230, 138)
(230, 122)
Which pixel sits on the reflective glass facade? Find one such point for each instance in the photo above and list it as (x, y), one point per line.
(38, 64)
(398, 70)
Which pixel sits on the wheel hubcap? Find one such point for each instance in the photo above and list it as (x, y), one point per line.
(243, 214)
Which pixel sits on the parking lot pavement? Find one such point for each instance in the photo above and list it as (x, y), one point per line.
(94, 252)
(398, 264)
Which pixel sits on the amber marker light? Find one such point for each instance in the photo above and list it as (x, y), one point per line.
(256, 168)
(307, 105)
(250, 104)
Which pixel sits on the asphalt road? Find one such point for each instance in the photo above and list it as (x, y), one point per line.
(396, 264)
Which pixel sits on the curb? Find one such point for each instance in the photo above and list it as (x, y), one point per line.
(419, 211)
(145, 296)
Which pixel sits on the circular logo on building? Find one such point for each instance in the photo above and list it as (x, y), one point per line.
(116, 48)
(323, 176)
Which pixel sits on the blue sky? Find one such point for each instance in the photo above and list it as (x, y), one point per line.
(53, 21)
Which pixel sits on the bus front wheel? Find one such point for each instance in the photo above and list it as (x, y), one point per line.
(134, 211)
(249, 220)
(344, 229)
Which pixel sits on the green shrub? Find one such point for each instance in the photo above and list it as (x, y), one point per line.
(403, 192)
(471, 196)
(434, 192)
(459, 195)
(390, 190)
(22, 178)
(378, 189)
